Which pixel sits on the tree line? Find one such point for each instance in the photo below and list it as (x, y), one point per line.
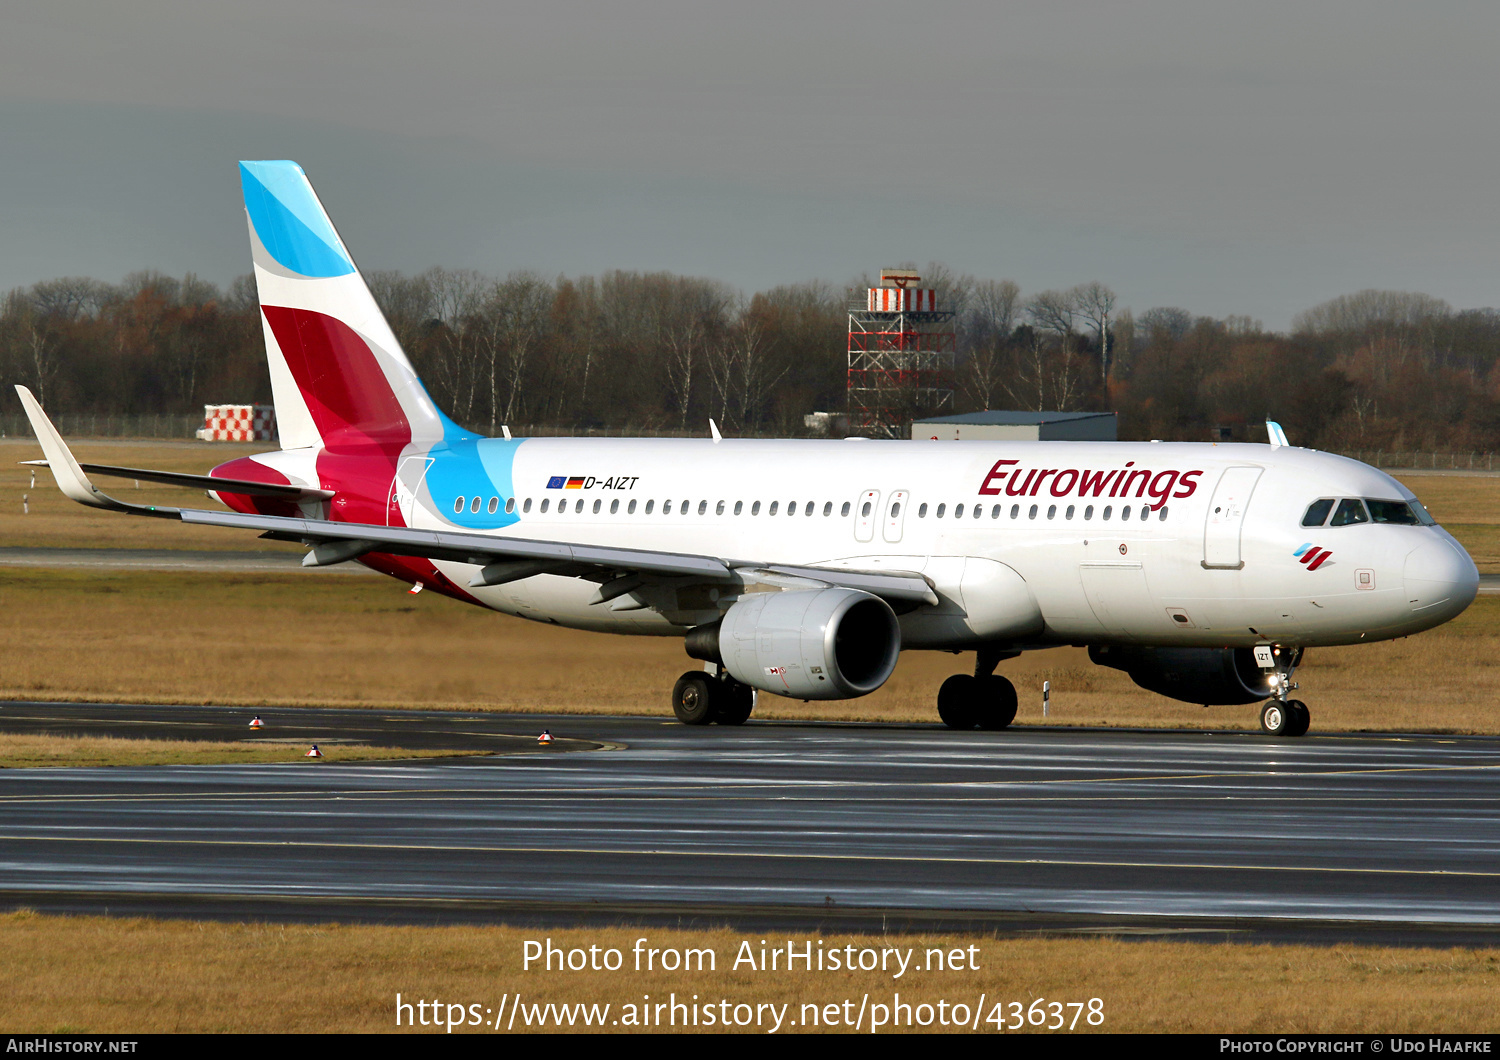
(657, 351)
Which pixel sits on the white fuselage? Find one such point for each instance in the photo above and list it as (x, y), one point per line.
(1025, 543)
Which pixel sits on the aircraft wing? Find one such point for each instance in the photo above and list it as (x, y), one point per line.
(501, 559)
(204, 482)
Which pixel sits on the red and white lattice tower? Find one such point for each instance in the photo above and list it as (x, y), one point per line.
(238, 423)
(901, 355)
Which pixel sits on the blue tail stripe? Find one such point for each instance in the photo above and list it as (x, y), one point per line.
(290, 223)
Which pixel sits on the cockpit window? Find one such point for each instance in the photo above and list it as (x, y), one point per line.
(1392, 512)
(1317, 512)
(1349, 512)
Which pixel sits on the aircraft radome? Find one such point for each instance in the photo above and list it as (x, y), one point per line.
(803, 568)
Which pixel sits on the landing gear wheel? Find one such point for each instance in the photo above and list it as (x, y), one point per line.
(1299, 717)
(734, 703)
(958, 701)
(693, 698)
(1276, 718)
(995, 702)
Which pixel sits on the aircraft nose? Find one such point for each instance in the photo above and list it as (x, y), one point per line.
(1441, 580)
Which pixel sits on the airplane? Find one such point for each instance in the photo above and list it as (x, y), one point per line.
(803, 568)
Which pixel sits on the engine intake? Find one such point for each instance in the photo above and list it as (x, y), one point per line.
(1211, 676)
(805, 643)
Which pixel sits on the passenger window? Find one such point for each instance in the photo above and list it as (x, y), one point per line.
(719, 508)
(827, 509)
(1317, 512)
(578, 508)
(494, 505)
(1163, 516)
(702, 508)
(1145, 512)
(895, 509)
(810, 506)
(527, 506)
(958, 511)
(545, 502)
(755, 508)
(1015, 511)
(630, 508)
(474, 507)
(844, 511)
(864, 511)
(614, 507)
(596, 506)
(510, 505)
(1107, 509)
(1088, 513)
(775, 505)
(1124, 512)
(791, 507)
(666, 507)
(1051, 511)
(1031, 514)
(995, 512)
(649, 506)
(739, 507)
(1392, 512)
(458, 506)
(1069, 513)
(922, 511)
(1349, 512)
(941, 508)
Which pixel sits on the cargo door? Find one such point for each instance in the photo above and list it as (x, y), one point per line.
(404, 488)
(1226, 517)
(1119, 597)
(866, 513)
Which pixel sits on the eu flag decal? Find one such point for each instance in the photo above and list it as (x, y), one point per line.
(556, 482)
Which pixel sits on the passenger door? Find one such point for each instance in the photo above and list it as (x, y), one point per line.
(404, 487)
(1226, 516)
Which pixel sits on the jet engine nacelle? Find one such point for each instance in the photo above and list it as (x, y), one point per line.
(1211, 676)
(829, 643)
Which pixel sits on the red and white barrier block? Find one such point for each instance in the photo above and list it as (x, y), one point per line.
(238, 423)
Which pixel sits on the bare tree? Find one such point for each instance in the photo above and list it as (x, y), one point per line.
(516, 314)
(457, 297)
(1095, 302)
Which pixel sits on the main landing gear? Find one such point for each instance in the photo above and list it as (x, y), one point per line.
(702, 698)
(983, 699)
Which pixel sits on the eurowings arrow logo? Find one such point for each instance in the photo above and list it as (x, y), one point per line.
(1311, 556)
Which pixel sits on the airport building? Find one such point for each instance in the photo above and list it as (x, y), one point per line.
(1001, 426)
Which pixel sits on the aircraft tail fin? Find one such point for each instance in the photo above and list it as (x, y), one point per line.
(338, 375)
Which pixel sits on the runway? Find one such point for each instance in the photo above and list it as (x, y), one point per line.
(1226, 835)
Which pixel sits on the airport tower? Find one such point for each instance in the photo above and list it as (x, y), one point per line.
(901, 354)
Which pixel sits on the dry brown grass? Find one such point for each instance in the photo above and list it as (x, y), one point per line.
(49, 749)
(97, 975)
(286, 640)
(56, 522)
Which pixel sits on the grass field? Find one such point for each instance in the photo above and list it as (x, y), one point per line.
(84, 975)
(51, 749)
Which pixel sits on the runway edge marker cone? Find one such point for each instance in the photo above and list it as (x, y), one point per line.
(544, 738)
(314, 753)
(256, 723)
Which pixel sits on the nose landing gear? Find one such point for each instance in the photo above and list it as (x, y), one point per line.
(1282, 716)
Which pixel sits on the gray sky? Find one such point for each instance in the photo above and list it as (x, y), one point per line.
(1227, 158)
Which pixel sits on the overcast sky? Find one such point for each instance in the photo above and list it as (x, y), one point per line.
(1227, 158)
